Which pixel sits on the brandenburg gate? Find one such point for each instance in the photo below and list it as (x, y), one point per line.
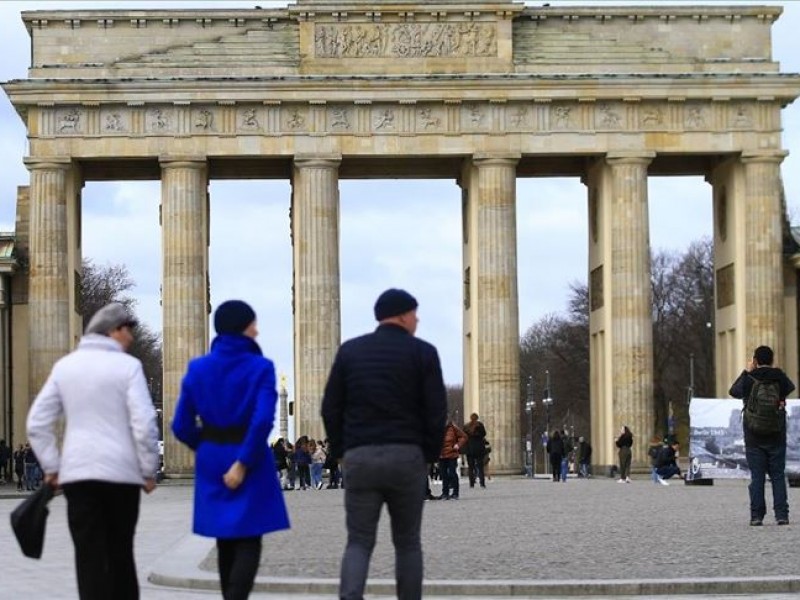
(480, 92)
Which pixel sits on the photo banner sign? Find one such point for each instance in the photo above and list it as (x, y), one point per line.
(716, 439)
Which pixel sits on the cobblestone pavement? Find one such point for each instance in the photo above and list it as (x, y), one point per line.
(516, 529)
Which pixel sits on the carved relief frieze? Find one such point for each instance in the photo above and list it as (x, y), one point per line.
(160, 120)
(519, 117)
(296, 120)
(476, 117)
(115, 120)
(407, 117)
(69, 121)
(652, 116)
(741, 116)
(384, 120)
(203, 120)
(430, 119)
(696, 116)
(405, 40)
(609, 115)
(562, 116)
(248, 119)
(340, 118)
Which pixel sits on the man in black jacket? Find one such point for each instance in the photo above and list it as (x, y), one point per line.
(765, 452)
(384, 411)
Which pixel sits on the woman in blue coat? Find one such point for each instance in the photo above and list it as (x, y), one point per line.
(225, 413)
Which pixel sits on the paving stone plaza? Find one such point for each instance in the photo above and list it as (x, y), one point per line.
(518, 538)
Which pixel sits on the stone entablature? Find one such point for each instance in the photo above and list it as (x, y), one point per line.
(365, 117)
(441, 37)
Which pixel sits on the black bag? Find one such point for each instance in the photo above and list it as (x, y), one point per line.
(763, 413)
(28, 521)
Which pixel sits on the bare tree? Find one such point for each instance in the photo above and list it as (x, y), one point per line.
(102, 285)
(683, 313)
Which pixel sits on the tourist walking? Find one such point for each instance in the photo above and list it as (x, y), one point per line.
(384, 409)
(764, 388)
(109, 453)
(225, 413)
(19, 466)
(624, 443)
(5, 463)
(555, 450)
(476, 450)
(454, 440)
(584, 457)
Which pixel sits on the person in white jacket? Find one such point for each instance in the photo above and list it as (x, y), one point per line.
(109, 451)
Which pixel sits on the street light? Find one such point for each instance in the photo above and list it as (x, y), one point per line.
(530, 404)
(547, 401)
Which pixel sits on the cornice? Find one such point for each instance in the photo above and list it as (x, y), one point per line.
(772, 87)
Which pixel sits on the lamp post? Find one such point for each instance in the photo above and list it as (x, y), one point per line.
(547, 401)
(529, 406)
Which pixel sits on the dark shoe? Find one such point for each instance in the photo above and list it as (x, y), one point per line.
(756, 522)
(456, 498)
(783, 521)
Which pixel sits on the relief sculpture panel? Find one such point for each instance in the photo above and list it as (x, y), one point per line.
(405, 40)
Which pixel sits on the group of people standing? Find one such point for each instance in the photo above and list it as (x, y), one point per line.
(469, 441)
(564, 453)
(303, 463)
(25, 466)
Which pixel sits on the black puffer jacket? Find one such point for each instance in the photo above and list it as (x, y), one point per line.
(385, 387)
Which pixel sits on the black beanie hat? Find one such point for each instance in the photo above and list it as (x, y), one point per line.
(233, 316)
(394, 302)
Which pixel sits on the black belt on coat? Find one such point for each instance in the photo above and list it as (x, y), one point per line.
(223, 435)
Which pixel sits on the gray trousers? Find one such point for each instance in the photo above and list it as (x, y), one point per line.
(393, 474)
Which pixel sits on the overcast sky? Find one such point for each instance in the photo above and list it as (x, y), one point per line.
(393, 233)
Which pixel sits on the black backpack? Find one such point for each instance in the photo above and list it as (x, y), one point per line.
(763, 412)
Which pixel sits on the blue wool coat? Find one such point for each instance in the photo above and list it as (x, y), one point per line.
(232, 386)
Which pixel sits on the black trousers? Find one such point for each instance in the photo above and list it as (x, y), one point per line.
(102, 520)
(238, 561)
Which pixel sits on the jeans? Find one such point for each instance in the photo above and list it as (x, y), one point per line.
(31, 478)
(395, 475)
(763, 459)
(238, 560)
(584, 470)
(668, 471)
(448, 471)
(102, 520)
(316, 474)
(564, 468)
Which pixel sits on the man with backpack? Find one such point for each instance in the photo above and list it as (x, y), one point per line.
(764, 389)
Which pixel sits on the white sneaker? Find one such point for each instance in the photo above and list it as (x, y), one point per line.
(662, 481)
(620, 481)
(627, 480)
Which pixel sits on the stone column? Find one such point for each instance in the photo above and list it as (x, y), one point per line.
(184, 295)
(497, 326)
(48, 303)
(315, 242)
(630, 293)
(763, 252)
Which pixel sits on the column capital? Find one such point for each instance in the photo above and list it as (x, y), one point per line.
(633, 157)
(47, 162)
(764, 156)
(482, 159)
(318, 161)
(183, 162)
